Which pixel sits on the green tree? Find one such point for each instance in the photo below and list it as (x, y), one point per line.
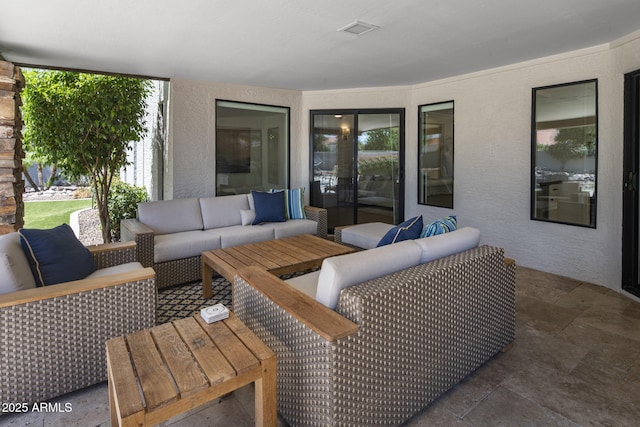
(572, 143)
(84, 124)
(382, 139)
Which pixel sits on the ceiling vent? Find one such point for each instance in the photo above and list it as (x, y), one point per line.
(359, 28)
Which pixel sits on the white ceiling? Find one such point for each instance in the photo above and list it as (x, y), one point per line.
(295, 43)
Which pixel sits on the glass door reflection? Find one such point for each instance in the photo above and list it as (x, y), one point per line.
(357, 166)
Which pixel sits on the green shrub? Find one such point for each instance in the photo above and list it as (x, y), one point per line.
(380, 165)
(123, 204)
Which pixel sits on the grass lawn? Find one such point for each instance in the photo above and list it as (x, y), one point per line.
(49, 214)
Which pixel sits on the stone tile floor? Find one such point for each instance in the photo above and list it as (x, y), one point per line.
(575, 362)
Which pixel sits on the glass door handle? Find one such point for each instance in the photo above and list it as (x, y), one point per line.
(631, 182)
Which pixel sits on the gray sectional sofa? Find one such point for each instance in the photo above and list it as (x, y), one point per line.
(374, 336)
(172, 234)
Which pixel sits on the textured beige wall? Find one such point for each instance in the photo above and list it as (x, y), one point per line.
(492, 150)
(493, 164)
(191, 170)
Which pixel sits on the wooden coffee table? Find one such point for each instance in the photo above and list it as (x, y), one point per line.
(157, 373)
(280, 256)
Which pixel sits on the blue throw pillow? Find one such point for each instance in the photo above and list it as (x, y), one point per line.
(269, 207)
(408, 230)
(440, 226)
(56, 255)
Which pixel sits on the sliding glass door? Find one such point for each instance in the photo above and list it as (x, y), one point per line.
(357, 165)
(631, 196)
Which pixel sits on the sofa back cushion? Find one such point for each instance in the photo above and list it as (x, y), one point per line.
(15, 272)
(342, 271)
(450, 243)
(171, 216)
(223, 211)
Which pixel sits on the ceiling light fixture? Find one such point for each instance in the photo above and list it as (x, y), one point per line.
(359, 28)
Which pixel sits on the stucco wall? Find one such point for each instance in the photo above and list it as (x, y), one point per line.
(492, 151)
(493, 164)
(191, 137)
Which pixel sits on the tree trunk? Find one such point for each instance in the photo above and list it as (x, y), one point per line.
(40, 177)
(28, 178)
(101, 190)
(52, 177)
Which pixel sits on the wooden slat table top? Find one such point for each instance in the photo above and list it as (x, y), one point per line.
(278, 256)
(215, 366)
(122, 372)
(184, 358)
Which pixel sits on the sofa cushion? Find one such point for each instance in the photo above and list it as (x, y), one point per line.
(293, 228)
(241, 235)
(366, 235)
(408, 230)
(171, 216)
(446, 244)
(116, 269)
(269, 207)
(306, 283)
(56, 255)
(440, 226)
(14, 267)
(223, 211)
(169, 247)
(342, 271)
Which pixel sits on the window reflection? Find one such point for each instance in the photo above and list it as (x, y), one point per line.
(435, 160)
(252, 147)
(564, 147)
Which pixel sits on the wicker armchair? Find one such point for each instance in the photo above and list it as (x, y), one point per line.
(53, 338)
(393, 345)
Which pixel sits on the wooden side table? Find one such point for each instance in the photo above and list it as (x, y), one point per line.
(155, 374)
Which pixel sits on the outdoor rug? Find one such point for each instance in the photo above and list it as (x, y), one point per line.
(182, 301)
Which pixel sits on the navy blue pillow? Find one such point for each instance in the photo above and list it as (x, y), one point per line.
(56, 255)
(408, 230)
(269, 207)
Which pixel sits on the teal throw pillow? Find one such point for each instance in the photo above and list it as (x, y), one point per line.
(440, 226)
(56, 255)
(293, 202)
(408, 230)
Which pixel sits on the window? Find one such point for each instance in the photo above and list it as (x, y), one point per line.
(564, 151)
(435, 154)
(252, 147)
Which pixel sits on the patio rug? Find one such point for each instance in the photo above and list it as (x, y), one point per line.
(182, 301)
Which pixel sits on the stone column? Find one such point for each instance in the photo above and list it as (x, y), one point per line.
(11, 154)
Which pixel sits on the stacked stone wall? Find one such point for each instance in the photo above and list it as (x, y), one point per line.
(11, 153)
